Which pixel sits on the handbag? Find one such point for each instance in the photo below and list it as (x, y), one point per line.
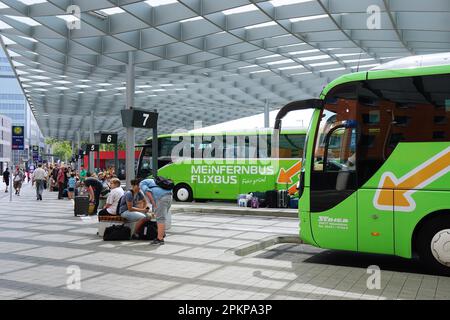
(91, 209)
(117, 233)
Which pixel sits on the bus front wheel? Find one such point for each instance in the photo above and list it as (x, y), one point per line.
(433, 244)
(183, 193)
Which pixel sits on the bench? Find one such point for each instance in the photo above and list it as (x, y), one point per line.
(107, 221)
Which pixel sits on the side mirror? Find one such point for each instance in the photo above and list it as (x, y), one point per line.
(294, 106)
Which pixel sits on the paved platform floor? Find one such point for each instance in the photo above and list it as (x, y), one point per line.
(42, 246)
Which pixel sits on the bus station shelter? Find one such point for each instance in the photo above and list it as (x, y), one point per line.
(80, 62)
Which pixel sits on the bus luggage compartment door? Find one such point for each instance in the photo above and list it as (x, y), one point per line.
(375, 227)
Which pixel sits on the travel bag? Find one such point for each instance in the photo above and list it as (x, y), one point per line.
(293, 203)
(117, 233)
(81, 205)
(149, 231)
(271, 198)
(283, 199)
(255, 203)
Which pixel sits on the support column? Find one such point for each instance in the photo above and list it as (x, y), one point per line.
(266, 115)
(129, 153)
(78, 149)
(116, 158)
(91, 166)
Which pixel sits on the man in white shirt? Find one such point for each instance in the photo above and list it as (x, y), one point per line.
(112, 202)
(39, 176)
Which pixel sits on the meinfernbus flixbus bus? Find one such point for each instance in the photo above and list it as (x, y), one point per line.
(220, 166)
(386, 189)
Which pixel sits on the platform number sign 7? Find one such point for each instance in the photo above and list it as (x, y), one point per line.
(139, 118)
(145, 116)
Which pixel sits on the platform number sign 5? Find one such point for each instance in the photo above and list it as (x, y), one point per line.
(92, 148)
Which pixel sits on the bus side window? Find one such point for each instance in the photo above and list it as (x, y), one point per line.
(291, 146)
(264, 146)
(229, 147)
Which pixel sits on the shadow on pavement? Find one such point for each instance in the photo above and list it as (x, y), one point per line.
(308, 254)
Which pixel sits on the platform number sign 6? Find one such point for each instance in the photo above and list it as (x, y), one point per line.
(108, 138)
(93, 147)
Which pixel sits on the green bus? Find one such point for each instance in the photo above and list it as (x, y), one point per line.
(384, 186)
(220, 166)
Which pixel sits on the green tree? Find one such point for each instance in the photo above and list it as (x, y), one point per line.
(62, 149)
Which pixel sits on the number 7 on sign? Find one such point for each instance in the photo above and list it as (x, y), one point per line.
(146, 116)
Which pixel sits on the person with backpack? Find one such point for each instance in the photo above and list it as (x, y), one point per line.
(6, 175)
(71, 185)
(159, 193)
(112, 202)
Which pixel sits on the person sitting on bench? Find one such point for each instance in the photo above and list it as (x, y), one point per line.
(112, 202)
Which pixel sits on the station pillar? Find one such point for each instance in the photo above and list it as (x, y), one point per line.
(91, 166)
(266, 115)
(129, 152)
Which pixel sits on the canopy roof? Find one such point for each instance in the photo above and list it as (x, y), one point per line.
(208, 60)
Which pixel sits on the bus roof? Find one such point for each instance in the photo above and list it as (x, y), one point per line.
(231, 132)
(420, 65)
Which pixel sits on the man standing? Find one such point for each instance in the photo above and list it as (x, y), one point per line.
(39, 176)
(61, 178)
(161, 200)
(95, 188)
(6, 175)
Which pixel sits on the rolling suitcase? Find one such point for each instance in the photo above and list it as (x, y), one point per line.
(283, 199)
(293, 203)
(271, 198)
(81, 205)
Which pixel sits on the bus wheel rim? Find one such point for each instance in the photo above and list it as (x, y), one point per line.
(440, 247)
(182, 194)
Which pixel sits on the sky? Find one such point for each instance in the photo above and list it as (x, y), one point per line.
(296, 119)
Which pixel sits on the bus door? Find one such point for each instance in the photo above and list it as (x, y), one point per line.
(333, 194)
(375, 226)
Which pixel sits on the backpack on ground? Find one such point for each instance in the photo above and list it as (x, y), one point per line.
(117, 233)
(149, 231)
(164, 183)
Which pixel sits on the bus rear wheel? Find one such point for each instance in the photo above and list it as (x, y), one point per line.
(183, 193)
(433, 244)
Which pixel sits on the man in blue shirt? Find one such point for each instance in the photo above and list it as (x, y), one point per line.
(161, 200)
